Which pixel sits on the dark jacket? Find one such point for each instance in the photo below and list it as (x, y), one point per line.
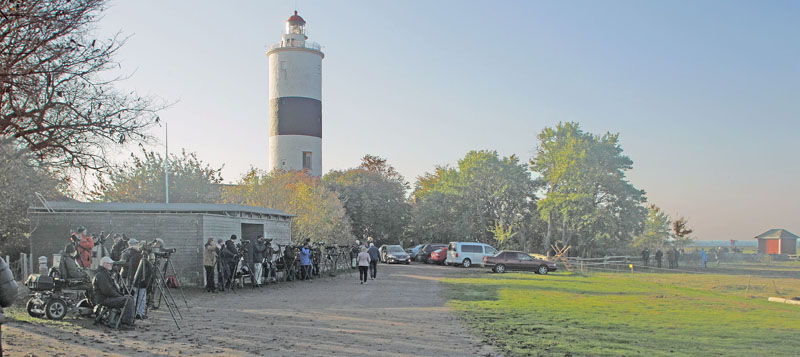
(104, 287)
(8, 288)
(118, 248)
(229, 252)
(259, 250)
(132, 256)
(374, 255)
(68, 268)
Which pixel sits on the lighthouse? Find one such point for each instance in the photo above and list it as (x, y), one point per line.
(295, 101)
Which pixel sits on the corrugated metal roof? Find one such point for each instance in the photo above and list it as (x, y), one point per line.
(776, 234)
(155, 207)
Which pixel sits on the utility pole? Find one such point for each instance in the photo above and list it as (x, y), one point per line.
(166, 159)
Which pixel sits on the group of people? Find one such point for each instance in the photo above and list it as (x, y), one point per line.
(673, 255)
(234, 256)
(367, 261)
(127, 287)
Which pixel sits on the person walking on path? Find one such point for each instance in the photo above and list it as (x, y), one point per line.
(374, 258)
(363, 264)
(703, 257)
(677, 256)
(209, 262)
(659, 254)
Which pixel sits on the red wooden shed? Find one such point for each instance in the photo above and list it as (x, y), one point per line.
(777, 241)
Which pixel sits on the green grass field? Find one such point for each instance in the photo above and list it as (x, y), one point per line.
(624, 315)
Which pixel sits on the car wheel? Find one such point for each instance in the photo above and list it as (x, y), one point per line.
(500, 268)
(466, 263)
(55, 309)
(542, 269)
(30, 306)
(408, 262)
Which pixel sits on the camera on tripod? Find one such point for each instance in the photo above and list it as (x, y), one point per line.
(164, 252)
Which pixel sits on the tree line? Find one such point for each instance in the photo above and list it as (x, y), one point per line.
(61, 114)
(573, 192)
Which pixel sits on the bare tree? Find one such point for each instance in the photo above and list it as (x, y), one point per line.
(54, 100)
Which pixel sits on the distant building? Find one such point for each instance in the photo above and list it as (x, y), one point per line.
(777, 241)
(183, 226)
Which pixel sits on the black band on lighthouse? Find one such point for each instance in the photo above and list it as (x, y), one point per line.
(295, 116)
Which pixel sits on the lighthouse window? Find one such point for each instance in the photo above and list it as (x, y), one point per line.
(306, 160)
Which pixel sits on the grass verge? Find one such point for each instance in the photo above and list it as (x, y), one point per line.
(623, 315)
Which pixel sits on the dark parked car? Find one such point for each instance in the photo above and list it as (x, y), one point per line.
(424, 254)
(515, 260)
(414, 251)
(438, 256)
(393, 254)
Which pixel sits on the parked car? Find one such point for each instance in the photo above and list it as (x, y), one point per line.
(424, 254)
(393, 254)
(514, 260)
(468, 253)
(438, 256)
(412, 252)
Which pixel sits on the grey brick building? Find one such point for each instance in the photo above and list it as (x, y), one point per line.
(184, 226)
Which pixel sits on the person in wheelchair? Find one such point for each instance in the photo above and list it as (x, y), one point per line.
(107, 293)
(76, 277)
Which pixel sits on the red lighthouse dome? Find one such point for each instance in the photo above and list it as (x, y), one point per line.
(296, 19)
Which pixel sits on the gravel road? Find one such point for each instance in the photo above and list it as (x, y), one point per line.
(400, 313)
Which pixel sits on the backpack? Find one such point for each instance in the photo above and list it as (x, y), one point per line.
(172, 282)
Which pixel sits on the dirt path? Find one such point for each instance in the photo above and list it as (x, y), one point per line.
(400, 313)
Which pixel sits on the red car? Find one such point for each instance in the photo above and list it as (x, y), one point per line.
(438, 256)
(514, 260)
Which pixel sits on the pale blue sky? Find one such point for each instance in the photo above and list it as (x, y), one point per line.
(705, 94)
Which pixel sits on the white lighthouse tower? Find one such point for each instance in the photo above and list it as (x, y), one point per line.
(295, 101)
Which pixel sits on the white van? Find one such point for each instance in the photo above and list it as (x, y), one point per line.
(468, 253)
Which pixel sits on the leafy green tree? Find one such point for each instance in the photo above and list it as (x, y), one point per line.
(471, 201)
(142, 180)
(374, 196)
(586, 195)
(320, 214)
(656, 229)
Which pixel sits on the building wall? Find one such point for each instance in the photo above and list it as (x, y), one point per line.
(788, 246)
(286, 153)
(295, 72)
(279, 231)
(179, 231)
(186, 232)
(220, 227)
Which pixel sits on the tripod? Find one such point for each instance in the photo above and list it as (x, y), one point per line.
(168, 263)
(168, 299)
(140, 269)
